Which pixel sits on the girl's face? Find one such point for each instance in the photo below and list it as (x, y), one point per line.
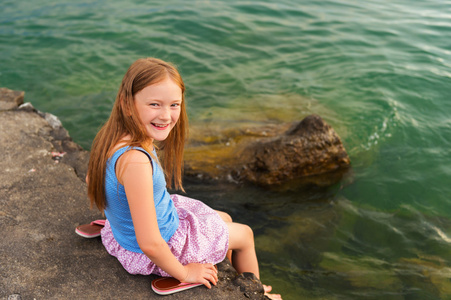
(158, 107)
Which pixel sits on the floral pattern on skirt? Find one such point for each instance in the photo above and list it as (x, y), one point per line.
(202, 237)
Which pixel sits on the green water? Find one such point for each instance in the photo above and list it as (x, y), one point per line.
(378, 71)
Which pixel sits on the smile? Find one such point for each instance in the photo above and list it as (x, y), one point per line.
(160, 126)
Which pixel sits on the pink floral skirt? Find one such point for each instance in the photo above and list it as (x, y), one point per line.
(202, 237)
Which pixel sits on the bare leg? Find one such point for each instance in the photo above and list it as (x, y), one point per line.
(228, 219)
(241, 241)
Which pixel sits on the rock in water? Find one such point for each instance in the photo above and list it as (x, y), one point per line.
(310, 151)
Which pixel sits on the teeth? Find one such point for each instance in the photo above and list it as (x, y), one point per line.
(160, 125)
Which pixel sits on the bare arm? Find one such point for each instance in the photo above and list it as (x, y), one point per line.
(135, 173)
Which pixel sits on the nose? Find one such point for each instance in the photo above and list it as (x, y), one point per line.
(165, 114)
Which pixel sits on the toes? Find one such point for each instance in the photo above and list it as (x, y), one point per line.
(267, 288)
(274, 296)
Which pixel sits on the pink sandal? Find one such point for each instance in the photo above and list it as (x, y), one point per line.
(170, 285)
(91, 230)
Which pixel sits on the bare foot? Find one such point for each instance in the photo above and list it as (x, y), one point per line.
(268, 289)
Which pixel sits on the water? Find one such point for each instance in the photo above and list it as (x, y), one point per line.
(378, 71)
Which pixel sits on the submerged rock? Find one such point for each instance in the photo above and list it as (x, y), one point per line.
(308, 152)
(309, 149)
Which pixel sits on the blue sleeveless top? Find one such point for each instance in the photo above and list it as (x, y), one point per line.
(117, 210)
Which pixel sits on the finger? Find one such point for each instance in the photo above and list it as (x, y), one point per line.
(207, 283)
(215, 271)
(211, 271)
(215, 275)
(213, 280)
(209, 277)
(212, 277)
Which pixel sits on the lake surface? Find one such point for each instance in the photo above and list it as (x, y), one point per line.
(379, 72)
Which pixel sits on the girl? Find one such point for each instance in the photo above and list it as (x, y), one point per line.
(148, 230)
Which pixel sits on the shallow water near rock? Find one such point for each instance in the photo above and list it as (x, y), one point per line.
(377, 72)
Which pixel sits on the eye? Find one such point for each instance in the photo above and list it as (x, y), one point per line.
(153, 104)
(175, 104)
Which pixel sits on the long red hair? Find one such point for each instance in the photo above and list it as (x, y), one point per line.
(124, 120)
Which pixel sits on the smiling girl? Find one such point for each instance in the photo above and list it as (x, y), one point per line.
(148, 230)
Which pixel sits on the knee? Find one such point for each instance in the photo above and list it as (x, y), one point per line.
(241, 237)
(224, 216)
(248, 233)
(227, 218)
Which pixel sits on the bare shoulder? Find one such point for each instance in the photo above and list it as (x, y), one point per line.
(135, 156)
(133, 161)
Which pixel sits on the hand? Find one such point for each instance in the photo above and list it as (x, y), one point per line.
(201, 273)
